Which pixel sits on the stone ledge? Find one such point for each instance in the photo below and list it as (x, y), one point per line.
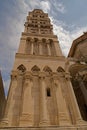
(42, 57)
(46, 128)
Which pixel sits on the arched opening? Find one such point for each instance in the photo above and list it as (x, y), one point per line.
(21, 68)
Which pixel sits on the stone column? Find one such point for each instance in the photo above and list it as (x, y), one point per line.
(12, 111)
(75, 107)
(26, 118)
(40, 48)
(48, 48)
(57, 48)
(44, 120)
(32, 48)
(63, 115)
(9, 111)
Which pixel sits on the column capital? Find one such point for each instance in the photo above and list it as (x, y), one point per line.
(55, 76)
(42, 75)
(14, 75)
(48, 41)
(67, 76)
(32, 40)
(40, 41)
(28, 75)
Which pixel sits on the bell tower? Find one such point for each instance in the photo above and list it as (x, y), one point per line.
(40, 92)
(38, 32)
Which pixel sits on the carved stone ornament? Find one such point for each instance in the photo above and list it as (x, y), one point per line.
(35, 68)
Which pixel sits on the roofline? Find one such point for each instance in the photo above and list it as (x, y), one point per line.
(75, 43)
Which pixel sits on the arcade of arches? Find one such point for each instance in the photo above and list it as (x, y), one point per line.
(40, 47)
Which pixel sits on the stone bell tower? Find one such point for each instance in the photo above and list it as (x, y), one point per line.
(41, 93)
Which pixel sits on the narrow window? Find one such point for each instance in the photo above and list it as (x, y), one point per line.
(48, 92)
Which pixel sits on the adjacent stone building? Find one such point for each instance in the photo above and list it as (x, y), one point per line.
(42, 94)
(78, 70)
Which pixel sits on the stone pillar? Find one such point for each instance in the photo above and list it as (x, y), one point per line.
(12, 115)
(48, 48)
(40, 48)
(44, 120)
(63, 115)
(75, 107)
(7, 119)
(32, 48)
(26, 118)
(57, 48)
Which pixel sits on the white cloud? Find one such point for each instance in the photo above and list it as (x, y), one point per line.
(66, 37)
(45, 5)
(60, 7)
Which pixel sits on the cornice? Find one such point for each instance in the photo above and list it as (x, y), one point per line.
(39, 35)
(27, 56)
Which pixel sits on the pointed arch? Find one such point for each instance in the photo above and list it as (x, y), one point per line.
(21, 68)
(36, 39)
(60, 69)
(50, 40)
(47, 69)
(35, 68)
(28, 39)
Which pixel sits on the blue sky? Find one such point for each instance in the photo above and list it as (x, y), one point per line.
(69, 19)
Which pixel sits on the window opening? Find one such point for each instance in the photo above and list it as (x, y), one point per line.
(48, 92)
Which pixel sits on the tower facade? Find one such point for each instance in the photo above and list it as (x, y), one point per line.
(40, 93)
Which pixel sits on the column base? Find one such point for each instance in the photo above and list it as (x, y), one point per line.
(44, 123)
(4, 122)
(26, 120)
(64, 120)
(81, 122)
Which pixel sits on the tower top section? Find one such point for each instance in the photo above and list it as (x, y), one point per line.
(38, 22)
(37, 11)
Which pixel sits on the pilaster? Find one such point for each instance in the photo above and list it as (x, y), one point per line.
(44, 119)
(63, 115)
(26, 118)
